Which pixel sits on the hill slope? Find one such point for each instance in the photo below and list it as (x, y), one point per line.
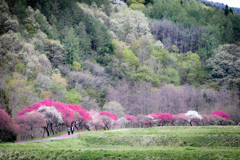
(95, 52)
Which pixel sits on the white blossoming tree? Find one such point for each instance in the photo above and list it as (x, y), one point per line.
(193, 117)
(129, 25)
(53, 117)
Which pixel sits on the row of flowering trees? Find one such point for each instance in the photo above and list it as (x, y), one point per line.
(189, 118)
(48, 117)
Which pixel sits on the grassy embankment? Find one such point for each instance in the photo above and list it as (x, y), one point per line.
(211, 142)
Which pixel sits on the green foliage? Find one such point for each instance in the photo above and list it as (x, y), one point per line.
(144, 73)
(175, 48)
(224, 65)
(102, 96)
(20, 67)
(70, 42)
(208, 41)
(217, 28)
(98, 39)
(4, 101)
(30, 29)
(72, 97)
(136, 4)
(76, 66)
(188, 67)
(236, 27)
(170, 76)
(20, 92)
(42, 21)
(90, 92)
(55, 52)
(99, 3)
(130, 58)
(129, 25)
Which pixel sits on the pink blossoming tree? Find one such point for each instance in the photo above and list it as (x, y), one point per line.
(221, 118)
(31, 125)
(7, 127)
(96, 122)
(109, 119)
(149, 121)
(163, 118)
(221, 114)
(131, 120)
(82, 116)
(181, 118)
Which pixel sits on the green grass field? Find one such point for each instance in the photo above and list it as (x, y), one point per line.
(210, 142)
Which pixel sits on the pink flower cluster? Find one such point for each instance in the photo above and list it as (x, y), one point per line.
(7, 127)
(131, 118)
(221, 114)
(112, 115)
(67, 110)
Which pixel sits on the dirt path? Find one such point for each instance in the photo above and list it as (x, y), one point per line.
(66, 136)
(117, 130)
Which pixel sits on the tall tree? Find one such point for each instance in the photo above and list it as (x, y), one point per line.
(70, 42)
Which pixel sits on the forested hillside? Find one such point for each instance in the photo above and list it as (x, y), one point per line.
(144, 57)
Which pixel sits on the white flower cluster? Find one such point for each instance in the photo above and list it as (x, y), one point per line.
(193, 115)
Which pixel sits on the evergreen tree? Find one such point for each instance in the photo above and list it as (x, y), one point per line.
(71, 43)
(226, 10)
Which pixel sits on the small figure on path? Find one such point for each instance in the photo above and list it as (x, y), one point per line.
(239, 123)
(69, 130)
(72, 129)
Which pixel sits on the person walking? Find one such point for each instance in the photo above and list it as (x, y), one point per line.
(69, 129)
(72, 129)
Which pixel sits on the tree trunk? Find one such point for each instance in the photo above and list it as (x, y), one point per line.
(106, 126)
(87, 127)
(76, 126)
(51, 128)
(46, 128)
(43, 133)
(190, 123)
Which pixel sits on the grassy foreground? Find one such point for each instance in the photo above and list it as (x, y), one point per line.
(211, 142)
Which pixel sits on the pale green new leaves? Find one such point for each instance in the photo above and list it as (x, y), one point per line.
(136, 4)
(72, 97)
(129, 25)
(188, 66)
(94, 11)
(130, 58)
(12, 48)
(171, 76)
